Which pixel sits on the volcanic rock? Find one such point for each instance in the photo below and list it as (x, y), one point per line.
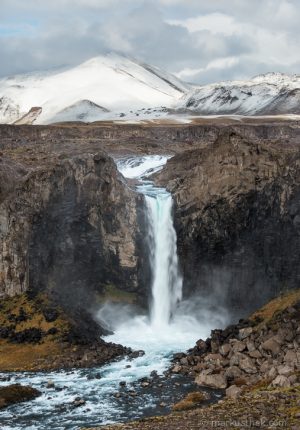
(16, 393)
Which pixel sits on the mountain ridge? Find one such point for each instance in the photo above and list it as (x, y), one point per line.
(113, 82)
(115, 87)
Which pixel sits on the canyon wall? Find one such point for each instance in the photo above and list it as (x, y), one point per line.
(70, 225)
(238, 219)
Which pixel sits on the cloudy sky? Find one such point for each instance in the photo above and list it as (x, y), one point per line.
(198, 40)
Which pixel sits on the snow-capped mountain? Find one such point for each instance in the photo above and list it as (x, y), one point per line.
(268, 94)
(113, 87)
(89, 91)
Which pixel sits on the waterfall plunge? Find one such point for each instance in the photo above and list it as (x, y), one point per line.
(166, 283)
(162, 240)
(173, 324)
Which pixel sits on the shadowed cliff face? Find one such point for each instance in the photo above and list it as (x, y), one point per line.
(237, 217)
(69, 228)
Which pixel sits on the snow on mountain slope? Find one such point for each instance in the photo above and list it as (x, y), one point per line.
(9, 110)
(269, 94)
(83, 110)
(113, 82)
(113, 87)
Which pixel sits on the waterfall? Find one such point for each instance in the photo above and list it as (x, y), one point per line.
(166, 282)
(166, 285)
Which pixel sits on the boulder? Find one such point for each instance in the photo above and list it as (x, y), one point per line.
(213, 381)
(213, 358)
(16, 393)
(251, 346)
(233, 392)
(225, 349)
(266, 366)
(201, 346)
(290, 357)
(255, 354)
(271, 345)
(236, 358)
(238, 346)
(247, 365)
(272, 373)
(136, 354)
(245, 332)
(50, 384)
(214, 345)
(281, 381)
(285, 370)
(176, 369)
(233, 372)
(78, 402)
(293, 379)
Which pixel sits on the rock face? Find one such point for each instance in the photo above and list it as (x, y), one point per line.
(68, 226)
(238, 218)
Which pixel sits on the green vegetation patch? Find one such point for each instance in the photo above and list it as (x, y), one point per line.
(114, 294)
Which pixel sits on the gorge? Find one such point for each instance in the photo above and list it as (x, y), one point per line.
(158, 255)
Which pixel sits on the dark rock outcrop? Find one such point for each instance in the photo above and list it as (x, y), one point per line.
(237, 218)
(68, 227)
(16, 393)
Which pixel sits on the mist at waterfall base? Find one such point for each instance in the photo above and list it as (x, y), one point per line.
(173, 325)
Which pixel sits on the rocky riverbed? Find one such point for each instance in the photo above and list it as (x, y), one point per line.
(255, 351)
(255, 362)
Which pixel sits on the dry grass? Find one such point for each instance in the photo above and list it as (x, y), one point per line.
(192, 400)
(281, 303)
(27, 356)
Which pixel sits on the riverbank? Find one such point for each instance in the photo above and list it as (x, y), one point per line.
(260, 408)
(36, 336)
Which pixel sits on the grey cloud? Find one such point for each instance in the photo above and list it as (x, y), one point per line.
(71, 31)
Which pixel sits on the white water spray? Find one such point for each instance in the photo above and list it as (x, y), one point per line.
(167, 282)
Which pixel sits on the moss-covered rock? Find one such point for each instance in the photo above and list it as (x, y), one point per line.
(16, 393)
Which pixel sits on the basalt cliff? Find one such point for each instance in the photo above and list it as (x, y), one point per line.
(237, 216)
